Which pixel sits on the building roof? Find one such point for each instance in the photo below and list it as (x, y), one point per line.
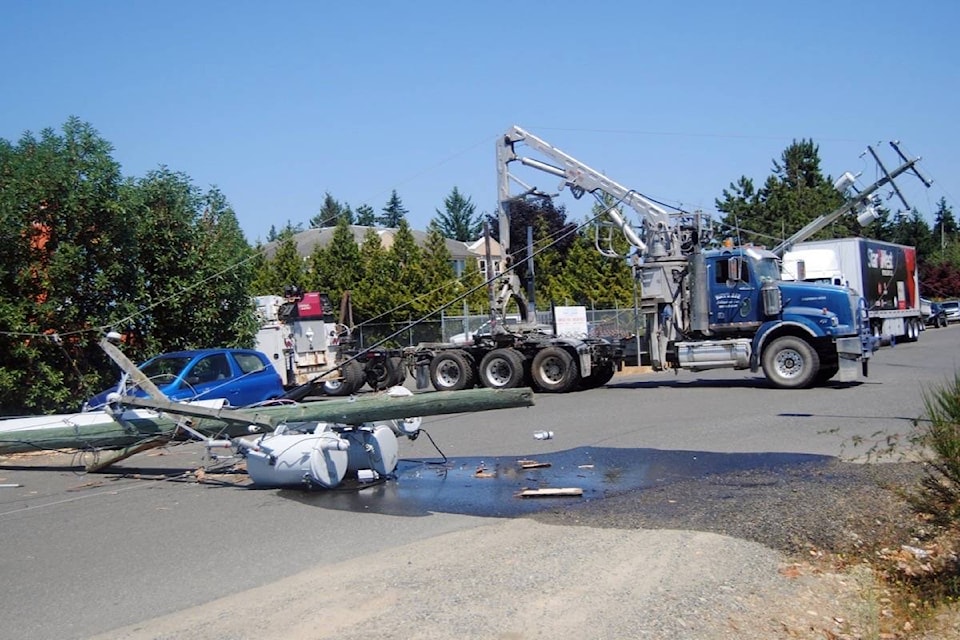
(310, 239)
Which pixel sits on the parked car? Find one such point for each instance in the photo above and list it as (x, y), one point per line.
(241, 376)
(952, 307)
(938, 315)
(464, 339)
(934, 315)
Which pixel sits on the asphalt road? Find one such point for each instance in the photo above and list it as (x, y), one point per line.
(87, 554)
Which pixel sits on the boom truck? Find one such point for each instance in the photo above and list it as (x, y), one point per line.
(708, 307)
(313, 351)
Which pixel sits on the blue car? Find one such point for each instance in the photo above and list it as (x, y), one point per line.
(242, 376)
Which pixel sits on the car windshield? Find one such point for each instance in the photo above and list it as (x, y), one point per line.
(168, 367)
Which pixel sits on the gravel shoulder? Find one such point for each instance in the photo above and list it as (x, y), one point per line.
(730, 556)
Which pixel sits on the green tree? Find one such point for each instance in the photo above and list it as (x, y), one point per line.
(410, 279)
(911, 229)
(366, 216)
(336, 268)
(393, 212)
(440, 281)
(376, 293)
(459, 220)
(945, 225)
(796, 193)
(67, 267)
(273, 235)
(226, 316)
(553, 235)
(331, 212)
(284, 268)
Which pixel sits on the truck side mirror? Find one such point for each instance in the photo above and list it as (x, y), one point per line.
(734, 267)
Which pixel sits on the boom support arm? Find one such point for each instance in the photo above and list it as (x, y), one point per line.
(657, 239)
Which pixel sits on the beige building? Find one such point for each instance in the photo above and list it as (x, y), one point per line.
(460, 252)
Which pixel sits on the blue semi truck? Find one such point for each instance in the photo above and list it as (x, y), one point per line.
(704, 305)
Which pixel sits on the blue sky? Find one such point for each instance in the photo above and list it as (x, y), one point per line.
(278, 103)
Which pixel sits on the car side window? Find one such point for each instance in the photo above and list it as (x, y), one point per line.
(210, 369)
(249, 363)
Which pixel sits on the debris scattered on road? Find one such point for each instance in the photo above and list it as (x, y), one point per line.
(550, 493)
(532, 464)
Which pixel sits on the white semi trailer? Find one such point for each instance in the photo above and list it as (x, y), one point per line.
(884, 273)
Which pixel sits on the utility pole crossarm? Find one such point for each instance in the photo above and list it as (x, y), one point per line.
(859, 201)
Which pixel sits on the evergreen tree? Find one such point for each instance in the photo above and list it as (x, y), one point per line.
(796, 193)
(366, 216)
(459, 220)
(393, 212)
(945, 225)
(410, 280)
(329, 213)
(376, 293)
(286, 267)
(288, 228)
(440, 282)
(911, 229)
(337, 267)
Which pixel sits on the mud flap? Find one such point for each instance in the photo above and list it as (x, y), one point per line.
(850, 355)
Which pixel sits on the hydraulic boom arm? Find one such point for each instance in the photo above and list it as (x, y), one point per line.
(656, 238)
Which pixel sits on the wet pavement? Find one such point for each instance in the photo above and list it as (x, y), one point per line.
(489, 487)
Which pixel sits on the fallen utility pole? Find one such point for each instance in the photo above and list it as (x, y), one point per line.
(159, 418)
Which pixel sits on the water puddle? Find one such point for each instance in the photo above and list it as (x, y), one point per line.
(489, 487)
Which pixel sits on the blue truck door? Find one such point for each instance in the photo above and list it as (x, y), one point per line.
(733, 293)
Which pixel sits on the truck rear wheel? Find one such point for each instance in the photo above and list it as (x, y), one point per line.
(451, 371)
(385, 373)
(790, 363)
(502, 369)
(599, 376)
(554, 370)
(351, 379)
(399, 371)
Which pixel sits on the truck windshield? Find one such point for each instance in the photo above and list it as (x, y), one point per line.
(766, 269)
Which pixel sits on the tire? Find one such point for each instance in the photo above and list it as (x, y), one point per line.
(351, 379)
(385, 373)
(452, 371)
(501, 369)
(790, 363)
(825, 374)
(378, 374)
(599, 376)
(399, 371)
(554, 370)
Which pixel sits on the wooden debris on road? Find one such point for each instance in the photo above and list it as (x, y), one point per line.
(551, 493)
(532, 464)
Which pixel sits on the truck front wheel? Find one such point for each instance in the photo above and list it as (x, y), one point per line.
(451, 371)
(554, 370)
(790, 363)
